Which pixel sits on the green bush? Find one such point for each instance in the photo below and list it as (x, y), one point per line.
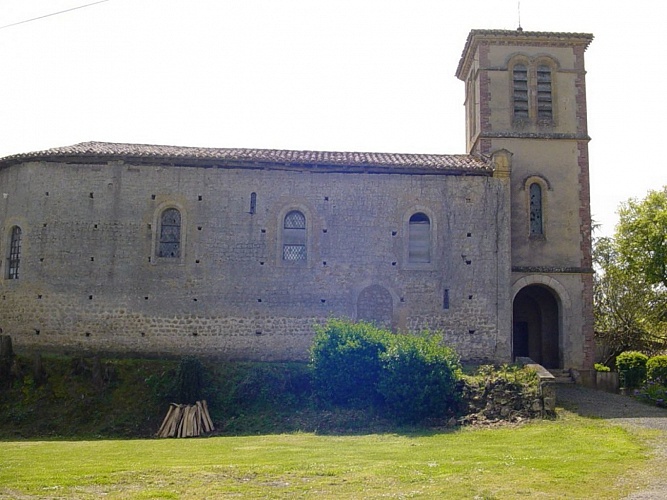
(656, 369)
(345, 359)
(418, 378)
(599, 367)
(631, 366)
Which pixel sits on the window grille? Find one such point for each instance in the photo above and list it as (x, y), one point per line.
(170, 234)
(294, 236)
(536, 227)
(14, 253)
(419, 238)
(520, 89)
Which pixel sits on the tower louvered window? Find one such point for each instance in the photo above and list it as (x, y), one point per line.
(170, 234)
(14, 254)
(294, 236)
(520, 91)
(544, 100)
(419, 238)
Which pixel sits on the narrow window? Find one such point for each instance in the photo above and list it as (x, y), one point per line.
(253, 203)
(419, 238)
(14, 253)
(520, 91)
(170, 234)
(294, 236)
(536, 228)
(544, 101)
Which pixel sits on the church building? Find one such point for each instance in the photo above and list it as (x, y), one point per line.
(238, 253)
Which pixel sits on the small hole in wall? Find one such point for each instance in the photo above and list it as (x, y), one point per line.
(143, 334)
(471, 332)
(469, 235)
(149, 259)
(261, 263)
(36, 331)
(41, 259)
(194, 334)
(149, 227)
(152, 197)
(44, 225)
(323, 301)
(198, 228)
(39, 296)
(92, 259)
(393, 263)
(87, 334)
(402, 299)
(394, 233)
(194, 300)
(199, 198)
(95, 226)
(90, 195)
(326, 198)
(468, 262)
(145, 298)
(468, 200)
(263, 231)
(324, 262)
(90, 297)
(47, 193)
(469, 297)
(258, 332)
(259, 300)
(197, 261)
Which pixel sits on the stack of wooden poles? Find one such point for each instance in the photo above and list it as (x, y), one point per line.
(186, 421)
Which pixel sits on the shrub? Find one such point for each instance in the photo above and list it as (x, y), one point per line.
(656, 369)
(599, 367)
(631, 366)
(418, 378)
(345, 359)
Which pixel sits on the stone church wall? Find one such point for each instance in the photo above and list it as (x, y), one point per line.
(90, 279)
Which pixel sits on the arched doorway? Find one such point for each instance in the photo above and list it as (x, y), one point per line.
(536, 331)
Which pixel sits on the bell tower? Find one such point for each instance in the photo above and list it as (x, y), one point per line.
(526, 93)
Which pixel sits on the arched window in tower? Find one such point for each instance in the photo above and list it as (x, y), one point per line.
(294, 236)
(14, 253)
(536, 227)
(419, 238)
(520, 91)
(169, 245)
(544, 98)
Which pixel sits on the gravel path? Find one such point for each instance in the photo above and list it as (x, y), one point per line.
(624, 411)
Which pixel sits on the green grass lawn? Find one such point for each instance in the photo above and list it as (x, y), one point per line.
(571, 457)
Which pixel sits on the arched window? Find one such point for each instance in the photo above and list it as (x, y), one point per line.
(544, 101)
(520, 92)
(536, 226)
(14, 253)
(294, 236)
(169, 244)
(419, 238)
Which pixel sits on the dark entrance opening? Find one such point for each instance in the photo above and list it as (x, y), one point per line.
(536, 326)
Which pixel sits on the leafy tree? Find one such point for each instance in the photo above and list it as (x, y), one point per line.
(641, 237)
(630, 288)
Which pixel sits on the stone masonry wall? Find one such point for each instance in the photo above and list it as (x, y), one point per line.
(90, 279)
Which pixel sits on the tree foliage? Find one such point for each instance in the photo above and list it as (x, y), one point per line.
(630, 290)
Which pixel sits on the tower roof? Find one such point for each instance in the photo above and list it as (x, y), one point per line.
(516, 37)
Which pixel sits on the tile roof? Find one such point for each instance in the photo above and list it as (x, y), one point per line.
(95, 152)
